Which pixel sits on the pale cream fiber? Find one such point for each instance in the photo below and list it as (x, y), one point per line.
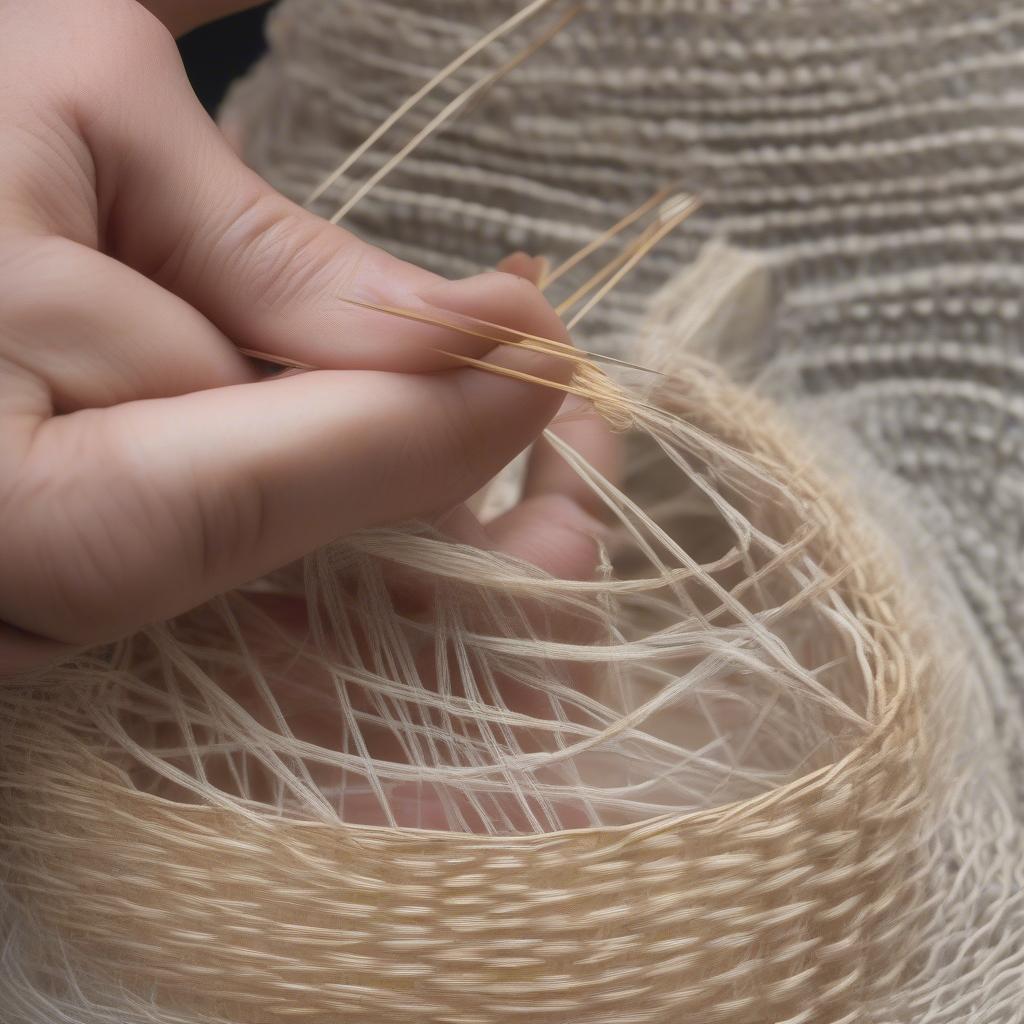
(756, 770)
(737, 733)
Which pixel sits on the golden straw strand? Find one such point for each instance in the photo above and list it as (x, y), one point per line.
(591, 384)
(547, 344)
(688, 208)
(606, 236)
(446, 114)
(446, 72)
(607, 270)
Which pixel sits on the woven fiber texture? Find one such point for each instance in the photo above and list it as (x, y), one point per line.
(811, 901)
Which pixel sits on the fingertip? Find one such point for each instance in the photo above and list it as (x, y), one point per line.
(590, 437)
(554, 533)
(520, 390)
(521, 264)
(501, 298)
(519, 397)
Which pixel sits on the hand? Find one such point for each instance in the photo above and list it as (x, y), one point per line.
(144, 466)
(556, 526)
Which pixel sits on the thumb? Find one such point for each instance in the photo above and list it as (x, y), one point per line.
(183, 210)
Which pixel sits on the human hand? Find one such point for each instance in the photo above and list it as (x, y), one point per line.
(144, 466)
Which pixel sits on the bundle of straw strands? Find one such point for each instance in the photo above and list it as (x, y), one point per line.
(706, 785)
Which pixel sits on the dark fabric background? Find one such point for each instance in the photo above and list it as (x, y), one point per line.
(216, 54)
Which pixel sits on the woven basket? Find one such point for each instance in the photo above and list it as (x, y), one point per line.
(802, 904)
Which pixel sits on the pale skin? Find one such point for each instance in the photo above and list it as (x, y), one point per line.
(145, 464)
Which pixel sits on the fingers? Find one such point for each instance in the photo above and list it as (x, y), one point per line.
(557, 525)
(141, 172)
(202, 492)
(134, 506)
(186, 212)
(22, 652)
(588, 434)
(548, 475)
(96, 333)
(552, 532)
(531, 268)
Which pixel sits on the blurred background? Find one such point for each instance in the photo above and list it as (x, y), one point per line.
(217, 54)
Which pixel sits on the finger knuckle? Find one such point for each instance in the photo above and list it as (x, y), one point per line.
(279, 256)
(229, 526)
(59, 557)
(470, 449)
(43, 293)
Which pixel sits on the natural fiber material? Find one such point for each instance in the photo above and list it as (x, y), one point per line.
(776, 663)
(757, 771)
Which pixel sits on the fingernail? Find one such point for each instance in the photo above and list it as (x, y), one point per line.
(464, 295)
(531, 268)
